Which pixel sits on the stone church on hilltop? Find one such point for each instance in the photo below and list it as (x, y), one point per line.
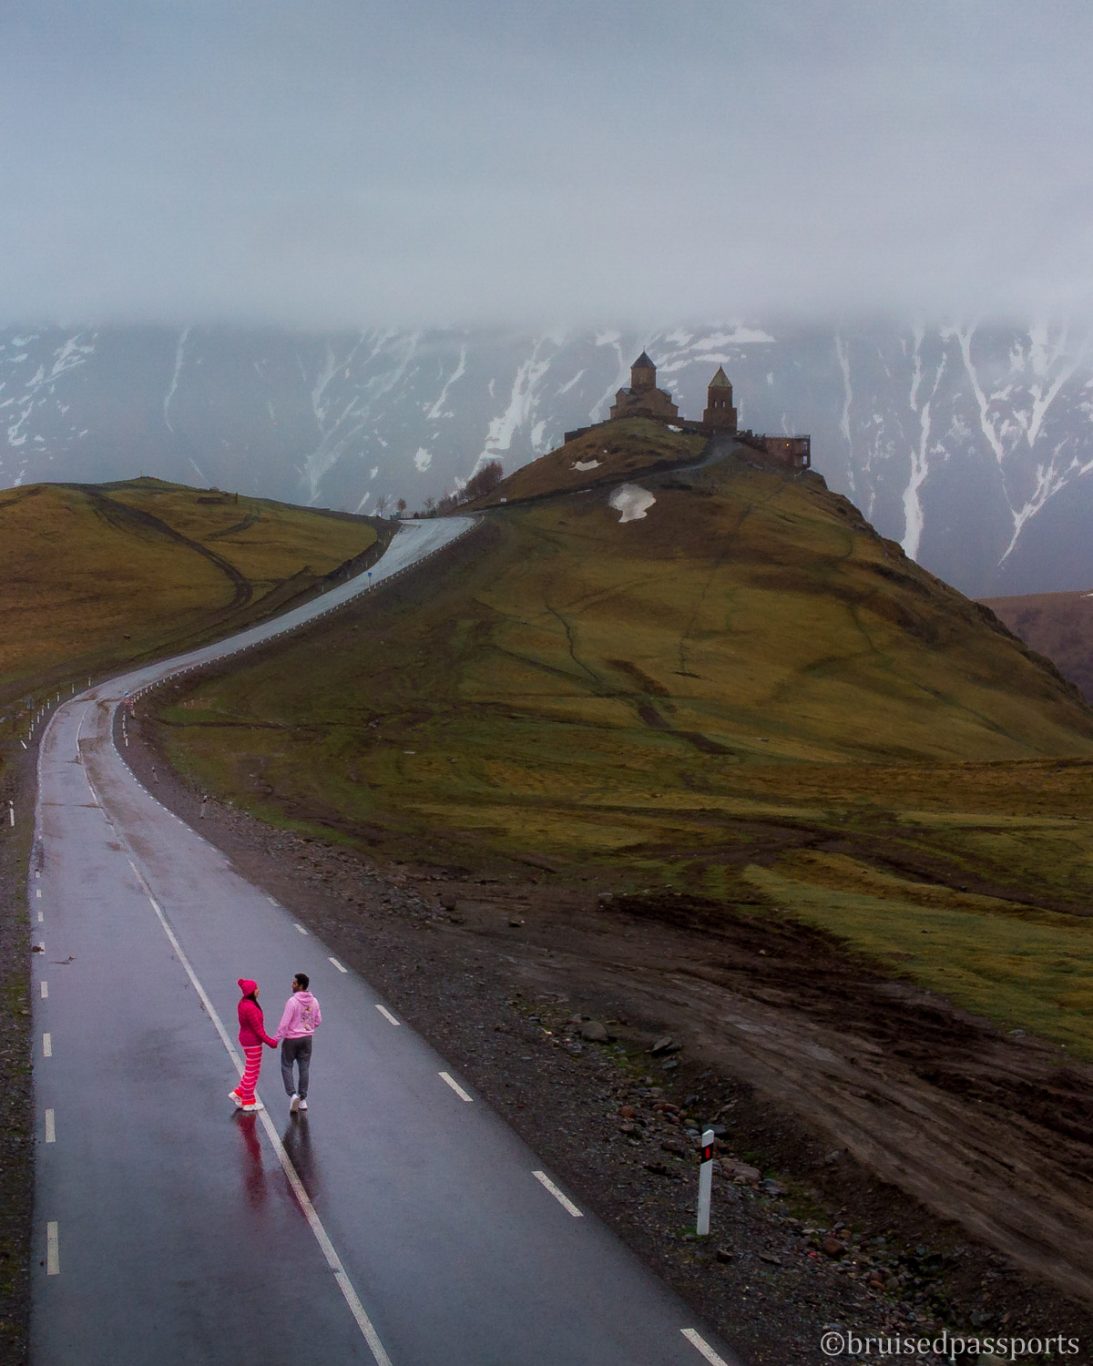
(643, 399)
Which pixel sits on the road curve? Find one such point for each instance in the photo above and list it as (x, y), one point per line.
(398, 1223)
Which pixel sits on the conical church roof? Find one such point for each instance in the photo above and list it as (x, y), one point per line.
(643, 363)
(720, 380)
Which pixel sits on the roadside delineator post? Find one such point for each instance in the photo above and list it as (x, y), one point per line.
(705, 1183)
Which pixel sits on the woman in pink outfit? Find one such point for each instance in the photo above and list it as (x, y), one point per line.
(252, 1035)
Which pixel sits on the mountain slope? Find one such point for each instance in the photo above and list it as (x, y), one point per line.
(1057, 625)
(970, 445)
(744, 693)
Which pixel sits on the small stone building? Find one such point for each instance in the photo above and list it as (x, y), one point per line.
(792, 451)
(643, 398)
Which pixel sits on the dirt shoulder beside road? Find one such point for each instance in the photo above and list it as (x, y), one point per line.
(16, 1090)
(888, 1164)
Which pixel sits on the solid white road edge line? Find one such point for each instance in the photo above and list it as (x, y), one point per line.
(341, 1276)
(387, 1014)
(51, 1127)
(562, 1200)
(700, 1344)
(338, 965)
(53, 1249)
(455, 1086)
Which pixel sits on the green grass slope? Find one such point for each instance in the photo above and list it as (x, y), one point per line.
(746, 694)
(94, 576)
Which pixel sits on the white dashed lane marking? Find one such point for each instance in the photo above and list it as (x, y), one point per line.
(53, 1249)
(45, 990)
(300, 928)
(51, 1127)
(455, 1086)
(562, 1200)
(338, 965)
(387, 1014)
(47, 1045)
(700, 1344)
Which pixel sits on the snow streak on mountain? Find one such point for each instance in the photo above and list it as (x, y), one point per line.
(972, 446)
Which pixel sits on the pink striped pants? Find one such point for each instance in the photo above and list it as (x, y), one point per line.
(245, 1089)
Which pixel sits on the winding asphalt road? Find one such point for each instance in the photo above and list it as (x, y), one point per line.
(399, 1221)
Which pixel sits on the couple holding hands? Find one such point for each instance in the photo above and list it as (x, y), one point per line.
(299, 1021)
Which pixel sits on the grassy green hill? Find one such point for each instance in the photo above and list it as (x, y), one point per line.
(746, 694)
(92, 577)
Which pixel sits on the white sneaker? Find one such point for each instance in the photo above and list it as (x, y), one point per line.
(294, 1103)
(302, 1105)
(232, 1095)
(253, 1108)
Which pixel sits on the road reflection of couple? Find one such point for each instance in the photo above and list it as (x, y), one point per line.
(296, 1141)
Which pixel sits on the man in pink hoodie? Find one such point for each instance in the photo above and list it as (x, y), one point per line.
(299, 1021)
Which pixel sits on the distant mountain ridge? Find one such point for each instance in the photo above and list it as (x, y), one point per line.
(971, 446)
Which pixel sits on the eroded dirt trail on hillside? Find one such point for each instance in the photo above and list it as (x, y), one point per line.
(989, 1131)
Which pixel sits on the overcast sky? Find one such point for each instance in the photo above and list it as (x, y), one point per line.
(398, 162)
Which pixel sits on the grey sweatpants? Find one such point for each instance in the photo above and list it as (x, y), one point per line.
(296, 1051)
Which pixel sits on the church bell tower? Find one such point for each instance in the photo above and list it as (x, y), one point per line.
(720, 414)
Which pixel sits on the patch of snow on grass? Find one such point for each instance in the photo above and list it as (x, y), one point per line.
(631, 501)
(586, 464)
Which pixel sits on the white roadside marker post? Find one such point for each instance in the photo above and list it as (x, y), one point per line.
(705, 1184)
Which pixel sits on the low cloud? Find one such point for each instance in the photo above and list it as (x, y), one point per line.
(348, 164)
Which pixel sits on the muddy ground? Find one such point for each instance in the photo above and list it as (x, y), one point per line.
(887, 1163)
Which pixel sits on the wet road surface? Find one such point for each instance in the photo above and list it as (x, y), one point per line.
(398, 1221)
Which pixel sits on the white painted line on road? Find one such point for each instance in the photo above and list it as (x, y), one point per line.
(387, 1014)
(562, 1200)
(41, 916)
(38, 893)
(700, 1344)
(338, 965)
(51, 1127)
(47, 1045)
(45, 990)
(300, 928)
(455, 1087)
(53, 1249)
(272, 900)
(341, 1276)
